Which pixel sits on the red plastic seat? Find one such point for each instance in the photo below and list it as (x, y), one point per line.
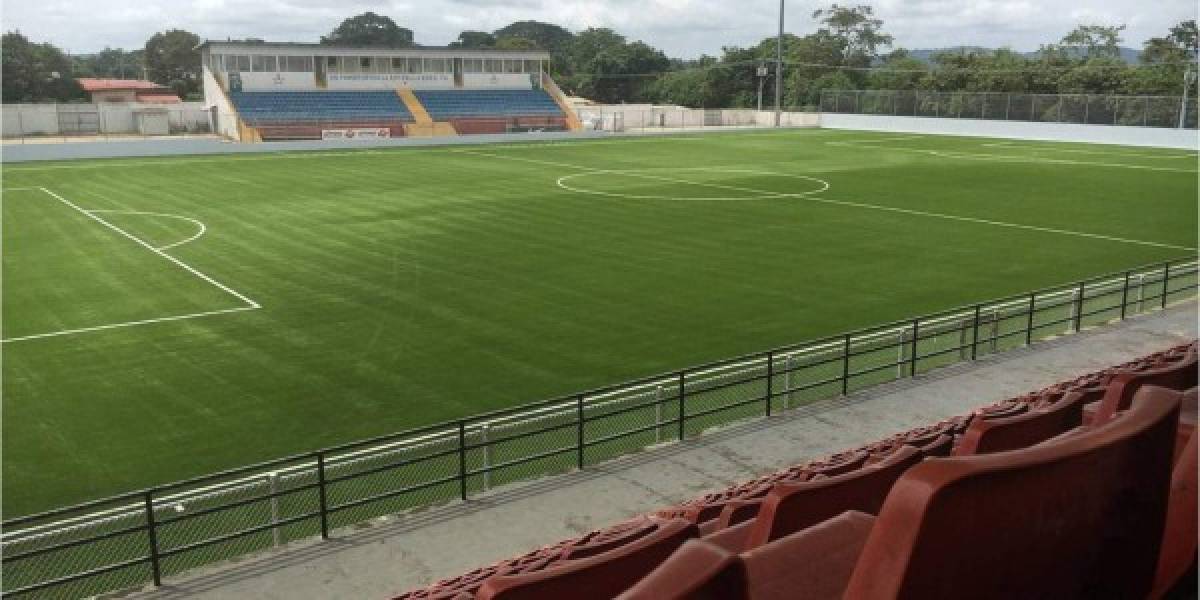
(792, 507)
(1079, 517)
(1177, 560)
(813, 563)
(1024, 430)
(587, 575)
(1176, 375)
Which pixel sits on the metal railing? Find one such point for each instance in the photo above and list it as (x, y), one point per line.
(140, 537)
(1091, 109)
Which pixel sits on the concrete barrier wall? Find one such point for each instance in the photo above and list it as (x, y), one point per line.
(1060, 132)
(22, 120)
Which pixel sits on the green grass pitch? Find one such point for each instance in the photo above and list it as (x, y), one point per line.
(164, 318)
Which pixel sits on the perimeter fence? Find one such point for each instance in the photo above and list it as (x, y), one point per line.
(1090, 109)
(141, 537)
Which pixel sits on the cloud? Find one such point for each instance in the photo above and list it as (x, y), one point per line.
(684, 28)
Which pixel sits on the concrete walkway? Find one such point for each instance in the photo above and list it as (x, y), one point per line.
(396, 554)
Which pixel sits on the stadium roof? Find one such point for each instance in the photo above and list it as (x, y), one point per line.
(348, 49)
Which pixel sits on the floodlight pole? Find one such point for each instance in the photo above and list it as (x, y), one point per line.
(1187, 86)
(779, 70)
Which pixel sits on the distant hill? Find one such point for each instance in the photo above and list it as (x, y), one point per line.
(1129, 55)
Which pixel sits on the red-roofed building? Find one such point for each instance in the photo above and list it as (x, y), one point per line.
(127, 90)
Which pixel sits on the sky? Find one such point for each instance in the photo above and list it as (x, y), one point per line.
(682, 28)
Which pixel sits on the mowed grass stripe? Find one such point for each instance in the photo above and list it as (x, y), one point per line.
(405, 287)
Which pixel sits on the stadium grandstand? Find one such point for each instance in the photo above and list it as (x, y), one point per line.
(261, 91)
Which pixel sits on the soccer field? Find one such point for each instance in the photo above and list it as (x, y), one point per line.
(164, 318)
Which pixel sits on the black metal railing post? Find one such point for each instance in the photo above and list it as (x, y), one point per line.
(682, 414)
(975, 332)
(323, 497)
(912, 369)
(462, 459)
(1124, 295)
(579, 432)
(152, 534)
(770, 377)
(1166, 281)
(846, 366)
(1079, 307)
(1029, 321)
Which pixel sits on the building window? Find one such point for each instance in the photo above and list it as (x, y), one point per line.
(472, 65)
(296, 64)
(262, 64)
(399, 65)
(349, 64)
(493, 65)
(414, 65)
(532, 66)
(237, 63)
(364, 64)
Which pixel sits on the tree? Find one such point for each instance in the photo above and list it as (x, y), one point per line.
(515, 43)
(858, 28)
(544, 36)
(35, 72)
(173, 60)
(474, 39)
(369, 30)
(110, 62)
(622, 73)
(1094, 41)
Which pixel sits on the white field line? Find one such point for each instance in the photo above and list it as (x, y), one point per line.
(19, 189)
(593, 402)
(250, 304)
(863, 205)
(1037, 148)
(200, 225)
(561, 182)
(127, 324)
(1021, 159)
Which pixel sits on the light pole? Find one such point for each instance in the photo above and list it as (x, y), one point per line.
(1188, 77)
(762, 72)
(779, 70)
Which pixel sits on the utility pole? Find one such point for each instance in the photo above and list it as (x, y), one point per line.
(1188, 77)
(779, 70)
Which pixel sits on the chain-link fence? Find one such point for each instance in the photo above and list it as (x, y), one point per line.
(1138, 111)
(62, 122)
(141, 537)
(647, 118)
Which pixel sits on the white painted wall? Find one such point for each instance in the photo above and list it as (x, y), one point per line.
(216, 101)
(108, 118)
(1060, 132)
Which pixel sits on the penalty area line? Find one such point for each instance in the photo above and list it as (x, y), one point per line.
(250, 304)
(128, 324)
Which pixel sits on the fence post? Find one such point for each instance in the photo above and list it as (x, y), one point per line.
(462, 459)
(790, 365)
(975, 333)
(579, 432)
(1029, 324)
(273, 486)
(1079, 307)
(659, 395)
(1166, 281)
(1124, 295)
(770, 378)
(1141, 292)
(484, 431)
(681, 405)
(322, 497)
(962, 339)
(846, 366)
(1146, 111)
(995, 341)
(901, 346)
(152, 533)
(916, 335)
(1007, 106)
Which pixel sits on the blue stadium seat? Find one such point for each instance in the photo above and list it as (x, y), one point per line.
(444, 105)
(272, 108)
